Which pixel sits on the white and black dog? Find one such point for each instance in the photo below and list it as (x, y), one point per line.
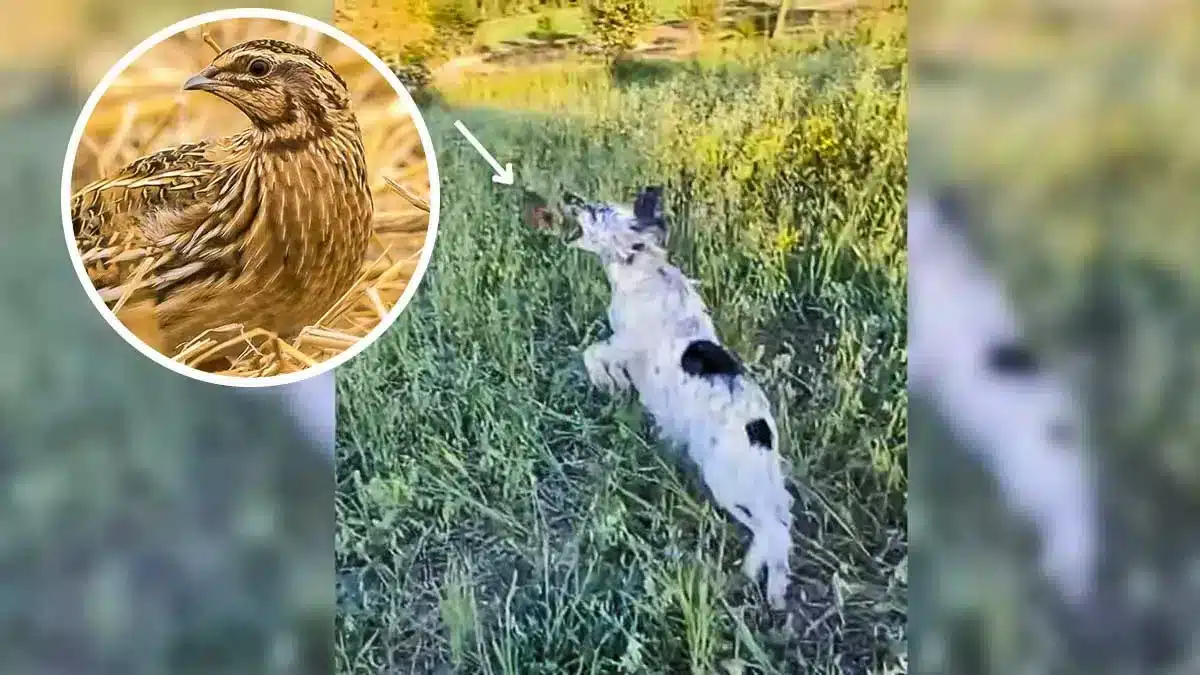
(664, 345)
(967, 355)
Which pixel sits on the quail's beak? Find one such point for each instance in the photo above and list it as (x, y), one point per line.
(202, 81)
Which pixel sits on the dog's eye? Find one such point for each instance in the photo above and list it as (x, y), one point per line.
(639, 246)
(259, 67)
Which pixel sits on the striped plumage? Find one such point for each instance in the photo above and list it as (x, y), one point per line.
(267, 228)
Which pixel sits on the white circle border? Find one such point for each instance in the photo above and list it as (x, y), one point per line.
(434, 197)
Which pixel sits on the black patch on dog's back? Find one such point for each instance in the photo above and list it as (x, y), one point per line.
(950, 201)
(705, 358)
(759, 433)
(1012, 359)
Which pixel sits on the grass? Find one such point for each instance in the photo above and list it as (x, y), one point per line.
(497, 515)
(567, 22)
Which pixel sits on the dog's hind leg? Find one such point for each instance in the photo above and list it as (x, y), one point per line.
(769, 548)
(778, 542)
(756, 555)
(769, 530)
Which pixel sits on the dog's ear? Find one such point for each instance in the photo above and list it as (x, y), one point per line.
(648, 205)
(648, 209)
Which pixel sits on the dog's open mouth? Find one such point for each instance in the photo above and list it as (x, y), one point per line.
(570, 231)
(543, 217)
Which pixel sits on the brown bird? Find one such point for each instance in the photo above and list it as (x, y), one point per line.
(267, 228)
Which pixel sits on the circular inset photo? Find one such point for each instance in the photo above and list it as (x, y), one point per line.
(250, 197)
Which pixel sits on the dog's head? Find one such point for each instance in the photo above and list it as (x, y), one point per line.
(616, 233)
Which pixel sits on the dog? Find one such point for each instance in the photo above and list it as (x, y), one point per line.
(665, 347)
(1015, 414)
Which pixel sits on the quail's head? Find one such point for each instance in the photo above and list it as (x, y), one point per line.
(276, 84)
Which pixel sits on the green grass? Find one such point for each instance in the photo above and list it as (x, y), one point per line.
(498, 515)
(549, 88)
(569, 21)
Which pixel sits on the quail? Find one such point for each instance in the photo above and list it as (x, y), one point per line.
(267, 228)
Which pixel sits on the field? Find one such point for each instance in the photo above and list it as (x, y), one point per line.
(497, 515)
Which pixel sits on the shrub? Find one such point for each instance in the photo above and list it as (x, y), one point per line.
(546, 28)
(413, 74)
(746, 27)
(400, 27)
(615, 24)
(455, 22)
(701, 14)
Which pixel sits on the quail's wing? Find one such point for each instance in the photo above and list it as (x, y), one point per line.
(137, 193)
(119, 219)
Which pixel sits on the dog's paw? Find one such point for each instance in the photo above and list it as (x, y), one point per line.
(597, 369)
(619, 375)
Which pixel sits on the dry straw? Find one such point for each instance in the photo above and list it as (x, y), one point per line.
(145, 110)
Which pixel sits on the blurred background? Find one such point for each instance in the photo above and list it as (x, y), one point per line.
(1065, 130)
(151, 524)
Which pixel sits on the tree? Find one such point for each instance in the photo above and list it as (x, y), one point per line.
(703, 15)
(616, 23)
(781, 19)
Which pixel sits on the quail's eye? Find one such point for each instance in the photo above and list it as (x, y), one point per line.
(259, 67)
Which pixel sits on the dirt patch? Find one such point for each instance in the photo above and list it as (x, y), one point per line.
(668, 41)
(671, 40)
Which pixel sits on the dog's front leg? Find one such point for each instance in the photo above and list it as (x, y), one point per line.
(606, 362)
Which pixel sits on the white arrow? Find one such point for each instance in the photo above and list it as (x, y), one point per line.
(504, 174)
